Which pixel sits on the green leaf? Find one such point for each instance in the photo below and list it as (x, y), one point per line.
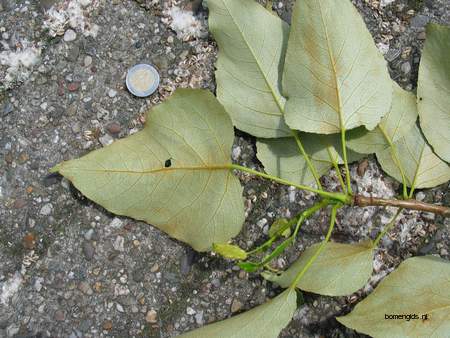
(174, 174)
(339, 270)
(278, 226)
(423, 169)
(249, 266)
(433, 89)
(263, 321)
(420, 286)
(251, 53)
(281, 157)
(334, 77)
(399, 121)
(229, 251)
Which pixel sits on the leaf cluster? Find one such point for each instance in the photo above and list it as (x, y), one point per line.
(317, 95)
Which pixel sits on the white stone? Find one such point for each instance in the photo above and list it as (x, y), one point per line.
(112, 93)
(119, 243)
(106, 140)
(46, 209)
(116, 223)
(119, 308)
(70, 35)
(190, 311)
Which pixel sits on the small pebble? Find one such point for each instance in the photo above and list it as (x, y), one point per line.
(114, 128)
(88, 250)
(236, 306)
(112, 93)
(70, 35)
(46, 209)
(59, 315)
(85, 288)
(150, 317)
(87, 61)
(107, 325)
(119, 244)
(119, 308)
(116, 223)
(73, 86)
(154, 268)
(106, 140)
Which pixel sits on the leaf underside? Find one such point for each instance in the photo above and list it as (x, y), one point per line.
(394, 125)
(433, 89)
(334, 77)
(281, 157)
(263, 321)
(197, 199)
(340, 270)
(420, 285)
(251, 53)
(423, 169)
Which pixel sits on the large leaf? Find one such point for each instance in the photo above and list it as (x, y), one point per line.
(422, 168)
(420, 286)
(264, 321)
(394, 125)
(334, 76)
(251, 54)
(281, 157)
(339, 270)
(173, 174)
(433, 89)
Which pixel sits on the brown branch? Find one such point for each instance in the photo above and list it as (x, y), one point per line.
(364, 201)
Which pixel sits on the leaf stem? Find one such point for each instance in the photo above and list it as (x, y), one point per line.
(299, 219)
(344, 153)
(330, 195)
(311, 166)
(386, 228)
(363, 201)
(320, 249)
(336, 168)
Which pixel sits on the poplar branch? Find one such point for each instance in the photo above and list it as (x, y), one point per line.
(363, 201)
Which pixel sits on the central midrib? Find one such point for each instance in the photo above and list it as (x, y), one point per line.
(331, 57)
(154, 171)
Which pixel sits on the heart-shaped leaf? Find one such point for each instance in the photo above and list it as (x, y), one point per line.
(263, 321)
(281, 157)
(413, 301)
(339, 270)
(422, 168)
(174, 174)
(251, 54)
(433, 89)
(394, 125)
(334, 76)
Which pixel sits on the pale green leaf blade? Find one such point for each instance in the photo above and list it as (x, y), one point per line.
(281, 157)
(423, 169)
(394, 125)
(433, 89)
(229, 251)
(197, 199)
(420, 285)
(334, 77)
(340, 270)
(251, 54)
(263, 321)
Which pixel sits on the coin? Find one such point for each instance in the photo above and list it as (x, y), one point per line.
(142, 80)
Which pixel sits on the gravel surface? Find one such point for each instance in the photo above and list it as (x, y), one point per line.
(71, 269)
